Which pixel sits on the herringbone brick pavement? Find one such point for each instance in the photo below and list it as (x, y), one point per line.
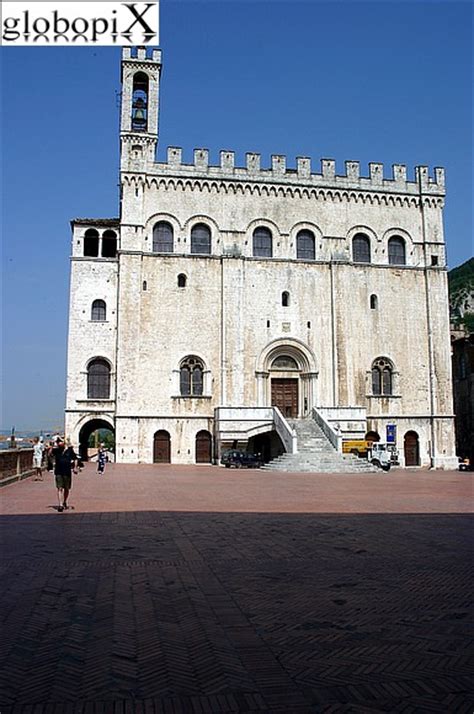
(161, 610)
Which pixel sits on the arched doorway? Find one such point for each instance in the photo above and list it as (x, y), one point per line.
(372, 436)
(286, 377)
(161, 447)
(284, 385)
(411, 448)
(93, 433)
(203, 447)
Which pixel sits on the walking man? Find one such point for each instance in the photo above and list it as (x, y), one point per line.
(64, 460)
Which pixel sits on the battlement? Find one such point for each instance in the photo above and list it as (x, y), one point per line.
(302, 173)
(142, 54)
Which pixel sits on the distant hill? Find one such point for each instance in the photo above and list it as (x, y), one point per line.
(461, 294)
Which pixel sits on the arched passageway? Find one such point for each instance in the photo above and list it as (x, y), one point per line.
(94, 432)
(161, 447)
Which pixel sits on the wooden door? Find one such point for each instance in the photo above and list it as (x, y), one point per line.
(161, 448)
(285, 396)
(411, 449)
(203, 447)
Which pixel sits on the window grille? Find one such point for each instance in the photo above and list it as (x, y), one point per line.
(191, 377)
(99, 311)
(382, 377)
(361, 248)
(396, 251)
(200, 239)
(262, 243)
(98, 380)
(163, 238)
(305, 246)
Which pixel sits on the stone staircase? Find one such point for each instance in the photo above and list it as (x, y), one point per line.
(317, 454)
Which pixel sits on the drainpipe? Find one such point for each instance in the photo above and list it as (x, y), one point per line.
(335, 395)
(431, 360)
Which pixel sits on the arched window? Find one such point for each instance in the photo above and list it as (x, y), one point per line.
(98, 311)
(200, 239)
(163, 238)
(396, 251)
(91, 243)
(382, 377)
(374, 301)
(305, 243)
(361, 248)
(98, 379)
(285, 298)
(191, 374)
(262, 243)
(140, 102)
(144, 286)
(109, 244)
(181, 280)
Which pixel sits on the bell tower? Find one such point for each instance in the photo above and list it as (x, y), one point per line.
(141, 70)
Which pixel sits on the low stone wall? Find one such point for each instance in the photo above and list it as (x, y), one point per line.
(15, 464)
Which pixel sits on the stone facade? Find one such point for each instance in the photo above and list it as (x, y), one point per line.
(305, 327)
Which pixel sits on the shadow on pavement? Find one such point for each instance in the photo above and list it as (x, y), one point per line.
(226, 612)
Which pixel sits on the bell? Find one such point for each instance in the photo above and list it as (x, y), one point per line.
(139, 114)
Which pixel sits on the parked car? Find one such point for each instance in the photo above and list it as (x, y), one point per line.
(240, 459)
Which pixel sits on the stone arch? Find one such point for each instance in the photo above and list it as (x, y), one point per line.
(286, 377)
(262, 223)
(156, 218)
(406, 237)
(201, 218)
(88, 426)
(297, 349)
(363, 229)
(305, 226)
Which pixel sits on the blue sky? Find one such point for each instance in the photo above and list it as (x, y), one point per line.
(387, 81)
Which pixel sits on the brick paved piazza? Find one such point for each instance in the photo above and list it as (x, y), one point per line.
(198, 589)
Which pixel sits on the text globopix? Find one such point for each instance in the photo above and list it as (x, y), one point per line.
(98, 23)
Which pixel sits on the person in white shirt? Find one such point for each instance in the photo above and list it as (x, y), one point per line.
(38, 448)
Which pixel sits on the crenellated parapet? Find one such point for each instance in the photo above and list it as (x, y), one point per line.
(278, 172)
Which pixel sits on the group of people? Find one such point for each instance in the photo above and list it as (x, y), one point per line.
(62, 459)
